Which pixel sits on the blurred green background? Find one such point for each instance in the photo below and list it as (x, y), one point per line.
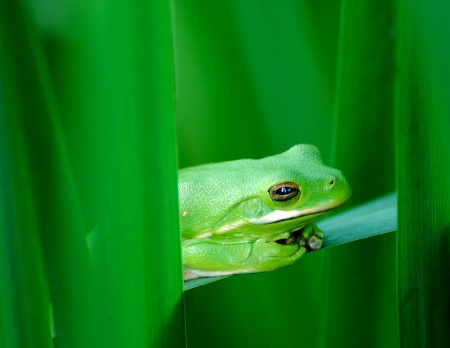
(100, 102)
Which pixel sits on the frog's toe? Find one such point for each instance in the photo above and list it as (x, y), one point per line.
(316, 241)
(312, 237)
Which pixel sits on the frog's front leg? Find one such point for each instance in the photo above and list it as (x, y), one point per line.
(312, 237)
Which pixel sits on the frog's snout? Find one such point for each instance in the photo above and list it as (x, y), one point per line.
(329, 182)
(338, 185)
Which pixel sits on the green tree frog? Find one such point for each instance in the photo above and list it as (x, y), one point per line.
(248, 215)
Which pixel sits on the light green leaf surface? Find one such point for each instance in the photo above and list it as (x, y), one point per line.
(366, 220)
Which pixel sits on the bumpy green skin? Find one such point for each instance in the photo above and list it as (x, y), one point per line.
(229, 221)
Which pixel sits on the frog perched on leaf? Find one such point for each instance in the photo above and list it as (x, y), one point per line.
(250, 215)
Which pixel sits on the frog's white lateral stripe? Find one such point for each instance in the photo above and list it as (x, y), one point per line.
(230, 227)
(280, 215)
(277, 215)
(204, 235)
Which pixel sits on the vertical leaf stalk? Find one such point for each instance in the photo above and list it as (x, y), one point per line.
(423, 110)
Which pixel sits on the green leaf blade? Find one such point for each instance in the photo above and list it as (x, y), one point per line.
(423, 170)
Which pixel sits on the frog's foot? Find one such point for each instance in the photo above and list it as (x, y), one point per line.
(311, 237)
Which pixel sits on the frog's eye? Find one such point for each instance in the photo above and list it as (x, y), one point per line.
(284, 191)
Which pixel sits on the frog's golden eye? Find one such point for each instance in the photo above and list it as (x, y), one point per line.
(284, 191)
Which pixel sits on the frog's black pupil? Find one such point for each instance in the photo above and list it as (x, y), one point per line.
(284, 190)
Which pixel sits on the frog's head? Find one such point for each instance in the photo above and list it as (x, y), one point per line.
(250, 215)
